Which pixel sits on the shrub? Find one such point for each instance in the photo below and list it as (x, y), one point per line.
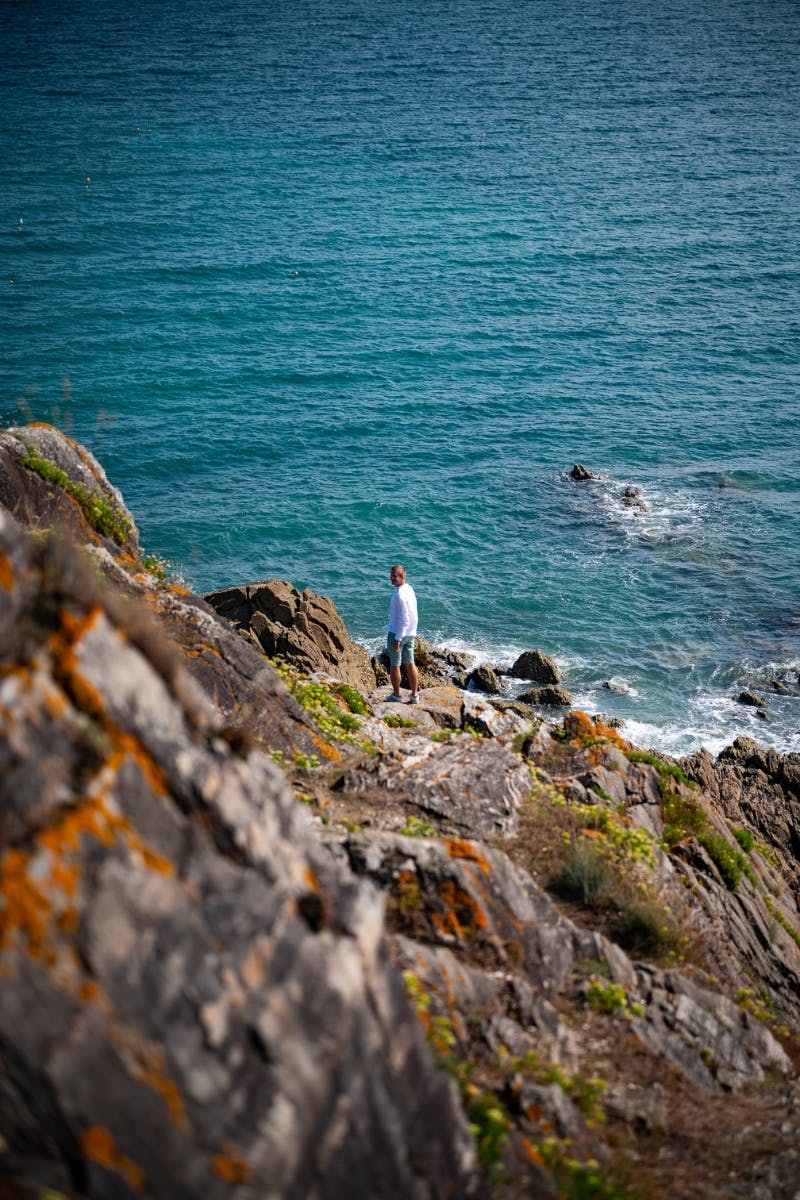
(414, 827)
(352, 698)
(745, 839)
(587, 874)
(729, 861)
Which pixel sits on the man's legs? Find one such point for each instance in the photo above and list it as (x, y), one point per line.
(396, 678)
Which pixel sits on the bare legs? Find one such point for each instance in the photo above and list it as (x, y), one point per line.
(395, 674)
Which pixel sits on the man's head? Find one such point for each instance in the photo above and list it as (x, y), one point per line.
(397, 575)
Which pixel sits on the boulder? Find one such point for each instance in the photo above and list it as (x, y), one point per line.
(633, 497)
(536, 666)
(484, 679)
(435, 664)
(753, 699)
(301, 627)
(551, 696)
(581, 474)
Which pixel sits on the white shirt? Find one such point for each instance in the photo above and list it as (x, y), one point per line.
(403, 612)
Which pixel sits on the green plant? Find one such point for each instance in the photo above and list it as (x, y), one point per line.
(587, 874)
(576, 1180)
(353, 699)
(394, 721)
(103, 516)
(781, 919)
(604, 996)
(683, 817)
(318, 701)
(644, 927)
(745, 839)
(730, 862)
(414, 827)
(489, 1121)
(666, 770)
(442, 735)
(305, 761)
(155, 565)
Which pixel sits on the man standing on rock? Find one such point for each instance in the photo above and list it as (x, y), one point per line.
(402, 629)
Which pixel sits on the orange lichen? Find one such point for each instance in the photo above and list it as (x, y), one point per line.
(311, 879)
(128, 746)
(230, 1165)
(458, 848)
(204, 648)
(532, 1153)
(324, 748)
(65, 878)
(99, 1145)
(90, 992)
(25, 908)
(6, 572)
(583, 731)
(151, 1071)
(62, 645)
(462, 915)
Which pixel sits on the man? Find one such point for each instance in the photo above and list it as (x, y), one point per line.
(402, 629)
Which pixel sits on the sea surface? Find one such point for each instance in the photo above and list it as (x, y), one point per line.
(328, 285)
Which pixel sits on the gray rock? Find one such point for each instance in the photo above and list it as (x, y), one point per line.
(754, 699)
(581, 474)
(550, 696)
(301, 627)
(476, 787)
(484, 679)
(536, 666)
(193, 992)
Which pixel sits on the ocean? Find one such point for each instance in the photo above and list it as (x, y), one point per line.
(330, 285)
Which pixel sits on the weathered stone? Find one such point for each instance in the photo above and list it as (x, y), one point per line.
(301, 627)
(753, 699)
(193, 992)
(581, 474)
(484, 679)
(633, 497)
(477, 713)
(476, 788)
(40, 502)
(549, 696)
(536, 666)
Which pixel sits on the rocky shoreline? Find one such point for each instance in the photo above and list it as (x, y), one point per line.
(263, 934)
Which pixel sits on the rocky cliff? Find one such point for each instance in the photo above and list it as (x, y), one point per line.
(264, 935)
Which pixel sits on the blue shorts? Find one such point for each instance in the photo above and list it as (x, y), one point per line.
(406, 652)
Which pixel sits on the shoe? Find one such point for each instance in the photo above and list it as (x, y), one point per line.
(414, 700)
(394, 699)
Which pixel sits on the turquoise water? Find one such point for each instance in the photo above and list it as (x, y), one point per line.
(331, 285)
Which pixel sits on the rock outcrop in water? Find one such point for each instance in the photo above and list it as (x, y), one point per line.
(262, 938)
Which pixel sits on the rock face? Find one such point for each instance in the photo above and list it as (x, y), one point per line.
(299, 626)
(195, 996)
(448, 950)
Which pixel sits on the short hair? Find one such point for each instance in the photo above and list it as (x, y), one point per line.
(399, 567)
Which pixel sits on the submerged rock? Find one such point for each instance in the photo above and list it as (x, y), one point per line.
(581, 474)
